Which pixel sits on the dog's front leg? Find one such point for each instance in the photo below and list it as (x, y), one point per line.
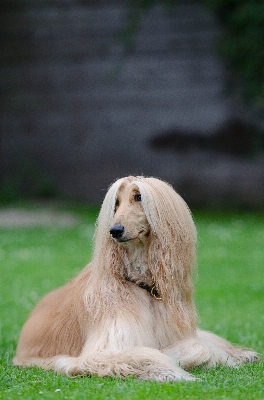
(142, 362)
(195, 351)
(239, 354)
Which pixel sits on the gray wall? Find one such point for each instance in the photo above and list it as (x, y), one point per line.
(72, 104)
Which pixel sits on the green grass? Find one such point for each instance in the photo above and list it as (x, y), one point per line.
(229, 296)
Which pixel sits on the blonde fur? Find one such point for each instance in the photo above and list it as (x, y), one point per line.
(103, 323)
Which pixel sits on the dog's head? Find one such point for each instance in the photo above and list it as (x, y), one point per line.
(130, 225)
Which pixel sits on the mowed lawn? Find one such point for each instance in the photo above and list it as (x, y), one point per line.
(229, 296)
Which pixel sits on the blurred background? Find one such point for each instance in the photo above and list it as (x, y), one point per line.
(92, 91)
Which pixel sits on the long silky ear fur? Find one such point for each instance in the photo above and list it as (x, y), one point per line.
(104, 247)
(108, 255)
(108, 263)
(172, 250)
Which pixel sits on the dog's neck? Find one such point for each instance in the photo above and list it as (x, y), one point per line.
(137, 269)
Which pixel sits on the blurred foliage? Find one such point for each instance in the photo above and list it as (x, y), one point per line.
(242, 45)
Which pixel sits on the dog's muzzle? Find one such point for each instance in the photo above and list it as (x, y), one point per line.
(117, 231)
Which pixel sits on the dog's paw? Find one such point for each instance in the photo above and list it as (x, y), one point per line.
(70, 366)
(168, 375)
(247, 356)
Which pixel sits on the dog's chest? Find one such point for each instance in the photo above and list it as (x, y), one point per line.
(145, 323)
(131, 325)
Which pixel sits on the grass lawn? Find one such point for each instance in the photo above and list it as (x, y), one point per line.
(229, 296)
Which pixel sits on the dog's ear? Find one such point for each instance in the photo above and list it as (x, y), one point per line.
(172, 249)
(110, 256)
(102, 239)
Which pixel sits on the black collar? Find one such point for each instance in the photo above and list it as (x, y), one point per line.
(151, 289)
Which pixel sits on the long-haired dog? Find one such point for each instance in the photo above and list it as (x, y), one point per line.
(131, 310)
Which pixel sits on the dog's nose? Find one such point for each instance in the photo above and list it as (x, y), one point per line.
(117, 231)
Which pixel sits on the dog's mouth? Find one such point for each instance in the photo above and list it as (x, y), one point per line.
(124, 239)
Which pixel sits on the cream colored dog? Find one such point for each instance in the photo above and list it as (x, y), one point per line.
(131, 310)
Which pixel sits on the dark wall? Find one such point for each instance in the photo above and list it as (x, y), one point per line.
(74, 108)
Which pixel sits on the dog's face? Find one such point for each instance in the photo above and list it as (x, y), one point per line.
(130, 225)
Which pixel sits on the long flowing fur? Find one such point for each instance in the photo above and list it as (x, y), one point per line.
(103, 323)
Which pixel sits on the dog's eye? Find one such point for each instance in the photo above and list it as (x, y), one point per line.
(137, 197)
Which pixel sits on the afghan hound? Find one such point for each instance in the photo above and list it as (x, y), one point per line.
(131, 310)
